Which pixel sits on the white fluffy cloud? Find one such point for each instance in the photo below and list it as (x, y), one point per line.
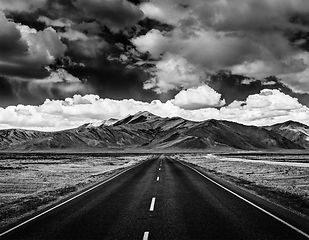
(196, 98)
(153, 42)
(44, 46)
(268, 107)
(206, 48)
(86, 45)
(174, 71)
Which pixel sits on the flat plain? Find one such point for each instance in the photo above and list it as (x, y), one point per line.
(32, 181)
(280, 178)
(29, 182)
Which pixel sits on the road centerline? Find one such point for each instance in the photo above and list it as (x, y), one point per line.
(152, 205)
(146, 235)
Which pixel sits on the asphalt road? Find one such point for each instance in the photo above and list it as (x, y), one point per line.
(159, 199)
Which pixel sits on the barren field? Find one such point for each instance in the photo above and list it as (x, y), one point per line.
(282, 179)
(29, 182)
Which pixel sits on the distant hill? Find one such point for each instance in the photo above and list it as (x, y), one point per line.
(148, 131)
(294, 131)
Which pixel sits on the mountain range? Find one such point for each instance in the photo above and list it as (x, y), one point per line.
(145, 130)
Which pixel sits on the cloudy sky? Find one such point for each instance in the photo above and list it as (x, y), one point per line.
(64, 63)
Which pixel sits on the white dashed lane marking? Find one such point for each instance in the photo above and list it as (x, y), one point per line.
(146, 235)
(152, 205)
(158, 178)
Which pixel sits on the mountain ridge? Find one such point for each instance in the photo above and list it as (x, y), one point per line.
(149, 131)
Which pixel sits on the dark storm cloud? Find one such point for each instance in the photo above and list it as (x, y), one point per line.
(21, 5)
(299, 37)
(136, 2)
(15, 91)
(237, 87)
(7, 96)
(113, 80)
(88, 27)
(56, 9)
(147, 24)
(11, 45)
(116, 14)
(24, 70)
(25, 52)
(14, 52)
(27, 19)
(90, 42)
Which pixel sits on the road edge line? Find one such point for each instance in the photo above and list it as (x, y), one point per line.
(70, 199)
(246, 200)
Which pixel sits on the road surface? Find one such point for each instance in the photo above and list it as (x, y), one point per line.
(161, 199)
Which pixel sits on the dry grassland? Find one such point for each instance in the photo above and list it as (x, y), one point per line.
(281, 179)
(30, 182)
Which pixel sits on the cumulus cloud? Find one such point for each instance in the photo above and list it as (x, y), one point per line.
(83, 37)
(153, 42)
(206, 48)
(25, 52)
(215, 51)
(245, 37)
(196, 98)
(44, 46)
(267, 107)
(174, 71)
(116, 14)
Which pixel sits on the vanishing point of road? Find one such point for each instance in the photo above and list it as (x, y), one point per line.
(162, 199)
